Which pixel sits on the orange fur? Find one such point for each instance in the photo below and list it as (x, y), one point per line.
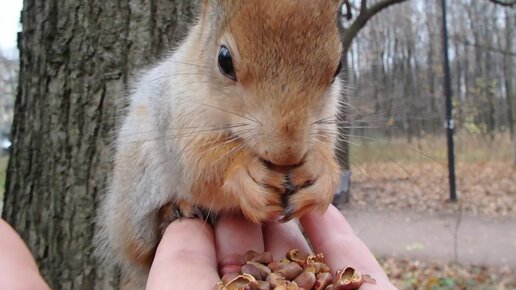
(137, 253)
(224, 182)
(322, 167)
(285, 54)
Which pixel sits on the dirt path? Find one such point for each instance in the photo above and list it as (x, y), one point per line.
(475, 241)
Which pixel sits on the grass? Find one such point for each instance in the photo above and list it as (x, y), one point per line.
(3, 168)
(468, 149)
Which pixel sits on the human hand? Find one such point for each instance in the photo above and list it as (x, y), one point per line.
(17, 267)
(191, 254)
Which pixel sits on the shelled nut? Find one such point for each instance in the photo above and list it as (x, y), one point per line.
(297, 271)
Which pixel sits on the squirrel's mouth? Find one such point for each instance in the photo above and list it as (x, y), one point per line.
(282, 168)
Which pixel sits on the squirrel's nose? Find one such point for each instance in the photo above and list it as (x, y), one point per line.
(285, 159)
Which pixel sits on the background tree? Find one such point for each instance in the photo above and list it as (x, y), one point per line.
(509, 79)
(76, 60)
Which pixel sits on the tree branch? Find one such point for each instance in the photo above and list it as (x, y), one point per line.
(484, 47)
(508, 3)
(379, 6)
(363, 6)
(349, 13)
(365, 15)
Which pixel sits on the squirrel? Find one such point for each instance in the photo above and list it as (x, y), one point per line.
(240, 117)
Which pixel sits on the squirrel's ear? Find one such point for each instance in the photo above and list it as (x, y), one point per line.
(204, 5)
(207, 5)
(211, 10)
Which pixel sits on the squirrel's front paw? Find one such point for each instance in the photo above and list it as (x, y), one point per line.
(178, 210)
(314, 183)
(257, 187)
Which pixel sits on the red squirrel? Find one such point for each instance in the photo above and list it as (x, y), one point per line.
(240, 117)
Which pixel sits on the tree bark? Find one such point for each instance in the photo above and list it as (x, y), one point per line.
(76, 58)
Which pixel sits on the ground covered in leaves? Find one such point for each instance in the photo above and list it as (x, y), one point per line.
(483, 188)
(414, 176)
(415, 275)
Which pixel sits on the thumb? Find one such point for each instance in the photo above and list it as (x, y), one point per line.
(185, 258)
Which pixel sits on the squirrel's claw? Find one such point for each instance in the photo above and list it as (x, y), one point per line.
(181, 210)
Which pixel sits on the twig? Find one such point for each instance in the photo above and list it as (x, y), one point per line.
(508, 3)
(366, 13)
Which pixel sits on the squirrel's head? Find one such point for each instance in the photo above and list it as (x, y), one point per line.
(273, 65)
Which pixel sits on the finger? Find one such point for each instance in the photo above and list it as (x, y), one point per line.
(332, 235)
(18, 270)
(185, 258)
(234, 236)
(280, 238)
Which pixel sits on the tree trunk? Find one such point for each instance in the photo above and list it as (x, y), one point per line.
(76, 58)
(431, 78)
(509, 78)
(490, 81)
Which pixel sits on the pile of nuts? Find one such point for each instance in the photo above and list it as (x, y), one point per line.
(298, 271)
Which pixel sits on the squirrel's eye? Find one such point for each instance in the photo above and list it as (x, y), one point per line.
(339, 69)
(226, 63)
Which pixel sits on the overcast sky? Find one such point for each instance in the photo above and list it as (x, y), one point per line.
(9, 24)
